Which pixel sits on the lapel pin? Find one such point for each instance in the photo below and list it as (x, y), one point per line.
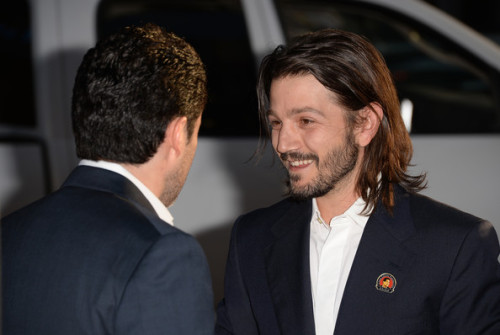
(386, 283)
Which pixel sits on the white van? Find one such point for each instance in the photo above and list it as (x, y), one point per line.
(448, 78)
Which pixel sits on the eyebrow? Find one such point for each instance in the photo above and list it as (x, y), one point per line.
(296, 111)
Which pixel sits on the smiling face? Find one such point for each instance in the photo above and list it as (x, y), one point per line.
(311, 137)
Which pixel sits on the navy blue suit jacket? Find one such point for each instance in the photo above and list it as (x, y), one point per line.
(94, 258)
(444, 262)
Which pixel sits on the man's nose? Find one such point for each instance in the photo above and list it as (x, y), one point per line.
(286, 139)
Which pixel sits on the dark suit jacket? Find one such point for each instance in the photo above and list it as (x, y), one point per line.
(94, 258)
(444, 261)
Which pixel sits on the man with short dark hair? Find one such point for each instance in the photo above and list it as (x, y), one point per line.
(101, 255)
(313, 263)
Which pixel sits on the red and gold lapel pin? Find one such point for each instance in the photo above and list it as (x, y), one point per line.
(386, 283)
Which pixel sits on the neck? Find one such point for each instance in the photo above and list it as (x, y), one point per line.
(339, 199)
(332, 206)
(148, 174)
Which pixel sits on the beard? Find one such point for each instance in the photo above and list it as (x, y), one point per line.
(338, 163)
(174, 183)
(172, 189)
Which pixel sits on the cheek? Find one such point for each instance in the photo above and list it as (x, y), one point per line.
(315, 142)
(274, 138)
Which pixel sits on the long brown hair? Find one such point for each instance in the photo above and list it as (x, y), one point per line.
(352, 68)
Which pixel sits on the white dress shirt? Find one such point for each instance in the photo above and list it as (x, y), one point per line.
(160, 209)
(332, 251)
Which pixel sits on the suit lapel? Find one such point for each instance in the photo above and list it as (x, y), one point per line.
(287, 266)
(381, 250)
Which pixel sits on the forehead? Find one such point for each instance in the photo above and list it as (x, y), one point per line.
(300, 93)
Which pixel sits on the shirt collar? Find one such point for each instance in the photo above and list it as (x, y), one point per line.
(160, 209)
(353, 212)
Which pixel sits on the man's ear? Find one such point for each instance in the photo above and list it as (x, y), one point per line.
(371, 117)
(176, 134)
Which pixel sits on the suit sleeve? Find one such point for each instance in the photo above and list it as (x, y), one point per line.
(471, 303)
(234, 313)
(170, 292)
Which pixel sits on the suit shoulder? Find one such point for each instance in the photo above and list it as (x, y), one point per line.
(424, 206)
(269, 214)
(258, 225)
(83, 212)
(430, 214)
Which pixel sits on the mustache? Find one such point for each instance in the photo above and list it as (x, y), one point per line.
(298, 156)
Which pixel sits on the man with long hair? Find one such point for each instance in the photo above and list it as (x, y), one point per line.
(313, 263)
(101, 255)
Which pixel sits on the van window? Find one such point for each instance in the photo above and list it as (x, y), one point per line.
(16, 81)
(217, 30)
(443, 89)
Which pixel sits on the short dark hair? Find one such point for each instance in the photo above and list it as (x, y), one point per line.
(353, 69)
(127, 90)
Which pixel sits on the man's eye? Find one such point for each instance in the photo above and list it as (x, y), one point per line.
(306, 122)
(274, 124)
